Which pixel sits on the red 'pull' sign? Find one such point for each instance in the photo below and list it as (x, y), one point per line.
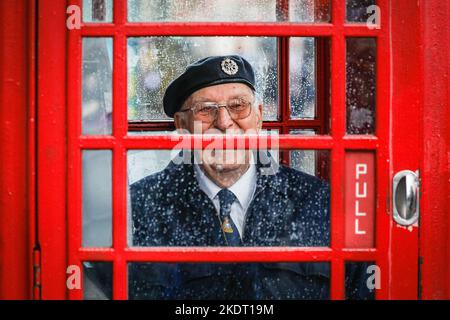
(359, 199)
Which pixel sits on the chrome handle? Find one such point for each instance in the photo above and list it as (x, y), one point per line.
(405, 200)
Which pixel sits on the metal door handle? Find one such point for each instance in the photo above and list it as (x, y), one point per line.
(405, 200)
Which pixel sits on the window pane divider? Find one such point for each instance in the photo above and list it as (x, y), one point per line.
(226, 254)
(74, 183)
(337, 291)
(281, 29)
(285, 142)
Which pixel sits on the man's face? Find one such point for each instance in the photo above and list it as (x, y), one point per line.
(223, 167)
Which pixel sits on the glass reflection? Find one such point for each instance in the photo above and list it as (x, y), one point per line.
(177, 203)
(225, 281)
(361, 279)
(153, 62)
(97, 86)
(201, 10)
(361, 85)
(310, 11)
(97, 280)
(97, 10)
(302, 78)
(97, 198)
(228, 11)
(357, 10)
(304, 160)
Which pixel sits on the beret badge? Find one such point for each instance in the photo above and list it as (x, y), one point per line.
(229, 66)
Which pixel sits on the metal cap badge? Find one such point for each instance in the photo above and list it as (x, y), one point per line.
(229, 66)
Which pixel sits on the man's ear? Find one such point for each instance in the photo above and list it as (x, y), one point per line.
(179, 121)
(260, 117)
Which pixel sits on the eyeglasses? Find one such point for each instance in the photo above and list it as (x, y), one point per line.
(207, 111)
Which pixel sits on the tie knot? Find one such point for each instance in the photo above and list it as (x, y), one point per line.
(226, 198)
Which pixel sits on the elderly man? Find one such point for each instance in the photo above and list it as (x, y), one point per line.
(212, 201)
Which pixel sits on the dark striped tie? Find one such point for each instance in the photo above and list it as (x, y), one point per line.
(226, 198)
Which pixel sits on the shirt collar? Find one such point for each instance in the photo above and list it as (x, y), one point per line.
(243, 189)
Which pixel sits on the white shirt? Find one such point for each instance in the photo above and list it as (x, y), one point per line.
(243, 189)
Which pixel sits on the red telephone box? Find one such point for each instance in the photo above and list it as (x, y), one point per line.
(386, 165)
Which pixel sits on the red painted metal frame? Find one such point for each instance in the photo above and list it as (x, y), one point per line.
(435, 166)
(119, 143)
(60, 145)
(17, 149)
(35, 272)
(221, 29)
(51, 156)
(52, 147)
(405, 141)
(400, 96)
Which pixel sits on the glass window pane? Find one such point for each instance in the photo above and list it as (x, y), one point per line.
(229, 281)
(304, 160)
(227, 11)
(180, 205)
(202, 10)
(97, 10)
(361, 85)
(313, 162)
(310, 11)
(97, 280)
(306, 132)
(361, 280)
(97, 199)
(357, 10)
(302, 78)
(142, 163)
(155, 61)
(97, 86)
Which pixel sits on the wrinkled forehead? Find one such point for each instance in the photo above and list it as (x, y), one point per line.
(222, 92)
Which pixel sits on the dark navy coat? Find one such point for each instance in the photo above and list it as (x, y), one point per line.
(289, 208)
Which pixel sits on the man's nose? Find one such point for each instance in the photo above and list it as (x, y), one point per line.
(223, 120)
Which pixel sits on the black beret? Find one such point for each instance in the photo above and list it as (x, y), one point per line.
(207, 72)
